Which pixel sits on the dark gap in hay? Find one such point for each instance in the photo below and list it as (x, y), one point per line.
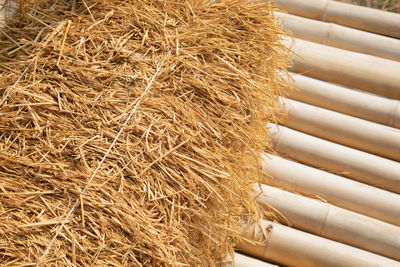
(174, 188)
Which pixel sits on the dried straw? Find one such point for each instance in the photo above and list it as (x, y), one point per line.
(130, 130)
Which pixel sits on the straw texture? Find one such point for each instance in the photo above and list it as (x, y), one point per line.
(130, 130)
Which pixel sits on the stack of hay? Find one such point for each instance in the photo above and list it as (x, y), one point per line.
(130, 130)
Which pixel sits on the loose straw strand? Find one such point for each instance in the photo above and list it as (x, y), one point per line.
(63, 42)
(99, 166)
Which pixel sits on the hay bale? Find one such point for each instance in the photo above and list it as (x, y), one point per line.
(130, 131)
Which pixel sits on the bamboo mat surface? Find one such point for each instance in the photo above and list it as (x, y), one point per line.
(336, 178)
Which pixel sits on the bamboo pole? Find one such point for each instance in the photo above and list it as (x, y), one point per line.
(364, 18)
(341, 37)
(287, 246)
(342, 129)
(329, 221)
(340, 191)
(355, 164)
(368, 73)
(241, 260)
(351, 102)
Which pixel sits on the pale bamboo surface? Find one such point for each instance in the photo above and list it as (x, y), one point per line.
(332, 222)
(241, 260)
(349, 162)
(364, 18)
(364, 72)
(291, 247)
(340, 191)
(343, 129)
(341, 37)
(355, 103)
